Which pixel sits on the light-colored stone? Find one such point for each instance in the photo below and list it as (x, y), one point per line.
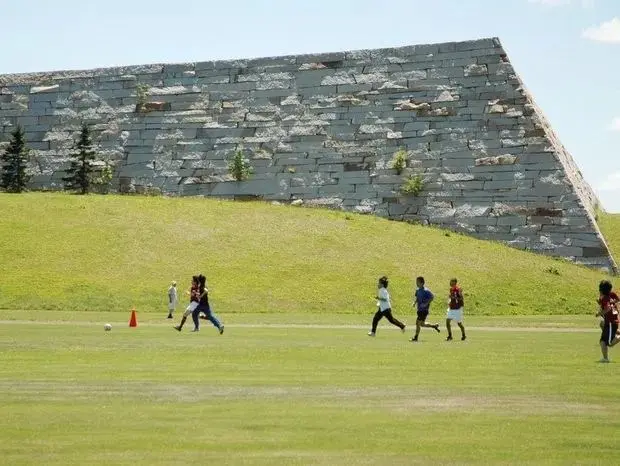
(323, 129)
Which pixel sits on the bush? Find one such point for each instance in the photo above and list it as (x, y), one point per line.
(102, 182)
(399, 161)
(239, 167)
(413, 185)
(142, 95)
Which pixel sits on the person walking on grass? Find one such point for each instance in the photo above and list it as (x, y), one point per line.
(384, 308)
(455, 309)
(194, 297)
(422, 300)
(204, 307)
(608, 302)
(172, 299)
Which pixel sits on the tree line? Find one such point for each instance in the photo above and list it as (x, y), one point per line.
(82, 176)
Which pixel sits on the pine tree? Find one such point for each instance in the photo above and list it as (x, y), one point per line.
(14, 162)
(79, 174)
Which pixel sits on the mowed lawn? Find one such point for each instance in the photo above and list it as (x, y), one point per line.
(74, 394)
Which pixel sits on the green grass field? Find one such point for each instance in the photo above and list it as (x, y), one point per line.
(294, 379)
(109, 253)
(301, 394)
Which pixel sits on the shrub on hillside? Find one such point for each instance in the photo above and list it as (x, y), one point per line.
(399, 161)
(413, 185)
(239, 167)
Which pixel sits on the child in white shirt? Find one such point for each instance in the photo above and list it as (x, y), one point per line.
(172, 299)
(385, 308)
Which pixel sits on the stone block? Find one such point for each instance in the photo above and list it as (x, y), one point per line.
(512, 220)
(497, 160)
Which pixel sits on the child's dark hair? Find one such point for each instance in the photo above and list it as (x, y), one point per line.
(420, 280)
(194, 278)
(605, 287)
(384, 281)
(202, 281)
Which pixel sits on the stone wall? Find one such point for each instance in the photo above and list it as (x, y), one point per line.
(324, 128)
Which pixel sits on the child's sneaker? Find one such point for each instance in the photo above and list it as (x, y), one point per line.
(196, 330)
(371, 334)
(221, 329)
(436, 327)
(449, 338)
(177, 327)
(604, 360)
(463, 338)
(403, 329)
(413, 339)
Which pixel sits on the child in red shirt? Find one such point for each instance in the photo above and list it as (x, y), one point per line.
(608, 302)
(455, 309)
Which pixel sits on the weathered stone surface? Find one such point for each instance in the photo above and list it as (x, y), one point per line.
(498, 160)
(323, 129)
(153, 107)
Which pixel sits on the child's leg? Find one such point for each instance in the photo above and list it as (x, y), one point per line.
(375, 321)
(195, 319)
(180, 326)
(393, 320)
(421, 322)
(615, 338)
(418, 327)
(449, 328)
(186, 314)
(211, 318)
(604, 350)
(462, 327)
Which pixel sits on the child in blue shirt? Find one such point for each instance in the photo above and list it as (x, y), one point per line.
(422, 300)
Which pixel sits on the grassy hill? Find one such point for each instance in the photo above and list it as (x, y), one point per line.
(610, 226)
(102, 253)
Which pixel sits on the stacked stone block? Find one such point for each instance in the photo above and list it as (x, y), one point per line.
(324, 128)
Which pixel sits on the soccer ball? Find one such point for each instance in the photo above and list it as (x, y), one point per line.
(107, 327)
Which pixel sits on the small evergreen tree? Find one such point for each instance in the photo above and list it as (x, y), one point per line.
(239, 167)
(14, 160)
(79, 173)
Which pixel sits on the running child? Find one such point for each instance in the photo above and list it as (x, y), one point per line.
(423, 299)
(384, 308)
(194, 297)
(455, 309)
(608, 302)
(172, 299)
(203, 306)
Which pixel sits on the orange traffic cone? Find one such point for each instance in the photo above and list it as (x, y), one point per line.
(133, 322)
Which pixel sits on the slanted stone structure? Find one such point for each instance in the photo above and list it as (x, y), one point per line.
(324, 128)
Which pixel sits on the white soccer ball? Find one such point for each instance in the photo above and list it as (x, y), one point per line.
(107, 327)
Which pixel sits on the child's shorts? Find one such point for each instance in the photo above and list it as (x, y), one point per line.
(455, 315)
(192, 306)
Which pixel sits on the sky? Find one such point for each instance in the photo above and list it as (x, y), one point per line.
(566, 51)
